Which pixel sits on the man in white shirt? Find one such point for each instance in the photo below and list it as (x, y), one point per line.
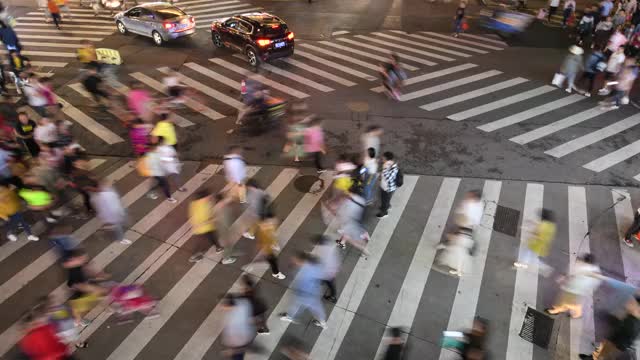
(235, 171)
(34, 95)
(469, 214)
(46, 132)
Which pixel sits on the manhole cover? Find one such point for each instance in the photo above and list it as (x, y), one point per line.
(536, 328)
(308, 184)
(506, 220)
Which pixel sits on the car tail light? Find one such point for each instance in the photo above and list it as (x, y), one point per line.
(263, 42)
(168, 26)
(290, 35)
(275, 26)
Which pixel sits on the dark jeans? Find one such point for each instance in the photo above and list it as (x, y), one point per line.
(331, 285)
(385, 201)
(162, 182)
(212, 239)
(565, 15)
(588, 79)
(56, 19)
(317, 160)
(617, 96)
(15, 221)
(552, 11)
(273, 262)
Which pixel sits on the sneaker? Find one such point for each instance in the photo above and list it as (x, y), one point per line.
(381, 215)
(279, 276)
(51, 220)
(263, 331)
(57, 212)
(84, 323)
(196, 258)
(322, 324)
(219, 250)
(321, 171)
(125, 242)
(628, 242)
(455, 273)
(32, 238)
(331, 299)
(152, 196)
(249, 235)
(229, 260)
(587, 94)
(614, 107)
(520, 265)
(286, 317)
(340, 244)
(12, 237)
(182, 189)
(172, 200)
(568, 90)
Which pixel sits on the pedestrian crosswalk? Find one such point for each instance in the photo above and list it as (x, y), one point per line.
(529, 113)
(393, 286)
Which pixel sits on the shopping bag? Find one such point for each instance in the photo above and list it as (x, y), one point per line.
(453, 340)
(109, 56)
(558, 79)
(142, 166)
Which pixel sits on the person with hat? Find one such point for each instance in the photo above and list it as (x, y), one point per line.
(571, 65)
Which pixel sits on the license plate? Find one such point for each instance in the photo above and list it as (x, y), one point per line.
(280, 44)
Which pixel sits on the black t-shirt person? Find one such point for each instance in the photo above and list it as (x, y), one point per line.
(25, 132)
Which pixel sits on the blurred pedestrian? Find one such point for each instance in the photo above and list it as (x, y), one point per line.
(553, 7)
(257, 199)
(267, 242)
(396, 345)
(25, 130)
(166, 129)
(585, 27)
(631, 235)
(614, 64)
(54, 11)
(567, 11)
(603, 31)
(622, 87)
(539, 243)
(329, 259)
(110, 210)
(622, 338)
(40, 340)
(158, 172)
(235, 171)
(388, 183)
(371, 176)
(371, 139)
(11, 212)
(314, 143)
(62, 5)
(616, 41)
(239, 329)
(170, 162)
(458, 19)
(619, 19)
(258, 305)
(307, 290)
(581, 282)
(594, 65)
(202, 219)
(350, 214)
(456, 252)
(571, 66)
(475, 344)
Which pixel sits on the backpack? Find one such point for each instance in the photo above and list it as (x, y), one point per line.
(399, 178)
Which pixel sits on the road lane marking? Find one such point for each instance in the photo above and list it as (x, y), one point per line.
(463, 41)
(419, 44)
(88, 123)
(405, 48)
(382, 59)
(431, 75)
(473, 94)
(613, 158)
(402, 56)
(206, 90)
(449, 85)
(347, 58)
(441, 42)
(315, 70)
(334, 65)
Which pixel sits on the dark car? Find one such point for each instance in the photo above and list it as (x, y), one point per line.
(260, 36)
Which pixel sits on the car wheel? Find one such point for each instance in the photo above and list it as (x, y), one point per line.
(121, 28)
(217, 41)
(252, 57)
(157, 38)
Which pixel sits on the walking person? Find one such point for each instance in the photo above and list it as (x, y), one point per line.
(54, 11)
(458, 19)
(350, 214)
(602, 32)
(570, 68)
(568, 10)
(371, 176)
(585, 27)
(307, 290)
(396, 345)
(329, 259)
(372, 139)
(314, 143)
(93, 83)
(594, 65)
(624, 82)
(258, 306)
(553, 7)
(239, 329)
(110, 211)
(170, 162)
(539, 243)
(62, 5)
(235, 171)
(388, 183)
(576, 286)
(614, 64)
(157, 171)
(11, 213)
(631, 234)
(24, 130)
(202, 219)
(267, 242)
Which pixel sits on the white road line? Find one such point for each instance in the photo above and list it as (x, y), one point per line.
(195, 5)
(211, 327)
(334, 54)
(334, 65)
(449, 85)
(214, 75)
(226, 8)
(88, 123)
(365, 54)
(56, 64)
(419, 44)
(39, 18)
(581, 330)
(613, 158)
(65, 32)
(482, 38)
(531, 113)
(195, 105)
(441, 42)
(295, 77)
(51, 37)
(462, 41)
(44, 53)
(113, 27)
(405, 48)
(315, 70)
(407, 302)
(402, 56)
(431, 75)
(10, 247)
(179, 120)
(526, 286)
(500, 103)
(206, 90)
(211, 17)
(260, 78)
(331, 338)
(340, 32)
(182, 4)
(558, 125)
(473, 94)
(468, 291)
(49, 44)
(594, 137)
(100, 314)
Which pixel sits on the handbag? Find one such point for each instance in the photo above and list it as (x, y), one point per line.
(142, 166)
(558, 79)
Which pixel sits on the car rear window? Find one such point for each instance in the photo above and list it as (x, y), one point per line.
(272, 29)
(169, 13)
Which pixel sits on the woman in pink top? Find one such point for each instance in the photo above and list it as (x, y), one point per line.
(314, 143)
(139, 101)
